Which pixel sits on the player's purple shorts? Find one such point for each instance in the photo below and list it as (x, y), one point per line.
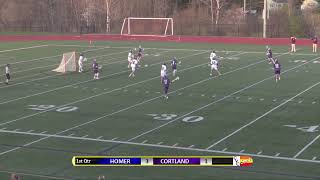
(174, 67)
(166, 89)
(269, 55)
(277, 71)
(95, 71)
(8, 76)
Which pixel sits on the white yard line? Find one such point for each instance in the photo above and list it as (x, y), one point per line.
(24, 82)
(23, 48)
(90, 97)
(158, 145)
(138, 104)
(47, 57)
(263, 115)
(131, 47)
(81, 100)
(62, 87)
(38, 67)
(27, 144)
(31, 60)
(181, 49)
(23, 77)
(46, 77)
(306, 146)
(214, 102)
(109, 54)
(105, 63)
(77, 45)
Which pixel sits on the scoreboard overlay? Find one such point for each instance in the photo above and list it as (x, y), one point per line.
(162, 161)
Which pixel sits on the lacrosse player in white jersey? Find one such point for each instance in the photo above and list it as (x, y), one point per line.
(163, 71)
(214, 63)
(80, 62)
(7, 72)
(130, 57)
(213, 55)
(134, 64)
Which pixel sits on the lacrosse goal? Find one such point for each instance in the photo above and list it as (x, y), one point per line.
(147, 26)
(68, 63)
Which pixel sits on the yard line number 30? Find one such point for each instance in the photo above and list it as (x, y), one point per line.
(168, 117)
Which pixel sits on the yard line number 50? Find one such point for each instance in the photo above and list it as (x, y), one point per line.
(168, 117)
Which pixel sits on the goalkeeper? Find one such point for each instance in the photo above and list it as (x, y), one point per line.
(80, 62)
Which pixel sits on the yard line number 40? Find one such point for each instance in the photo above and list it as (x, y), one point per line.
(308, 129)
(168, 117)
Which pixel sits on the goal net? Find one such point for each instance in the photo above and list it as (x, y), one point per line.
(68, 63)
(147, 26)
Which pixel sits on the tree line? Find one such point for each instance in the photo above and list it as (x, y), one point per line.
(191, 17)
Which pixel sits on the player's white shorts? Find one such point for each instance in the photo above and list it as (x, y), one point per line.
(214, 67)
(133, 67)
(129, 60)
(163, 73)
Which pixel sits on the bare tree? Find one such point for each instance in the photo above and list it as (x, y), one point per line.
(3, 5)
(216, 7)
(219, 5)
(291, 7)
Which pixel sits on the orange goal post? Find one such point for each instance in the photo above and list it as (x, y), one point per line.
(68, 63)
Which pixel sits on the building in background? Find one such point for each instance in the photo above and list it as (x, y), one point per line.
(276, 4)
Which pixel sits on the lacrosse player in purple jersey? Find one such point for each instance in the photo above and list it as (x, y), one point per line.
(174, 63)
(95, 67)
(166, 84)
(277, 69)
(140, 53)
(269, 54)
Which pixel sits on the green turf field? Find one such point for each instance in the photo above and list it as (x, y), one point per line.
(46, 118)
